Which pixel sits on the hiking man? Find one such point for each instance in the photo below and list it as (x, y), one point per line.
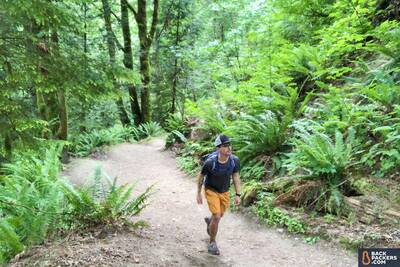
(218, 169)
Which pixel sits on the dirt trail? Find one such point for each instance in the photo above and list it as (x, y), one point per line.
(177, 236)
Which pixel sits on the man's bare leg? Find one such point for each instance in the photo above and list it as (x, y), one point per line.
(215, 218)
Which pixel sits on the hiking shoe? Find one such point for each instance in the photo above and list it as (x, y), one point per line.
(213, 249)
(208, 220)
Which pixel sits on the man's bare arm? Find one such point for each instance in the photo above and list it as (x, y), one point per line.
(236, 182)
(200, 179)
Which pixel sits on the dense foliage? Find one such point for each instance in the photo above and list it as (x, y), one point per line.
(36, 203)
(307, 89)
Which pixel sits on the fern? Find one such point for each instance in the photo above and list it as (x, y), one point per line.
(257, 135)
(9, 238)
(93, 205)
(150, 129)
(132, 134)
(188, 164)
(175, 136)
(317, 156)
(317, 153)
(212, 115)
(253, 171)
(175, 123)
(335, 204)
(31, 200)
(87, 143)
(384, 156)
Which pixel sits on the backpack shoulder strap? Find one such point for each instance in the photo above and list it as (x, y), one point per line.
(214, 158)
(233, 164)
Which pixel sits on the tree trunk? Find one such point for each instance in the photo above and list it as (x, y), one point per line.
(145, 93)
(176, 70)
(387, 10)
(85, 9)
(123, 115)
(31, 49)
(128, 62)
(141, 20)
(51, 102)
(62, 133)
(146, 39)
(158, 110)
(42, 106)
(174, 81)
(61, 108)
(8, 146)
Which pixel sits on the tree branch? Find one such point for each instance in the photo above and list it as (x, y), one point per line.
(131, 8)
(120, 47)
(154, 21)
(115, 16)
(166, 21)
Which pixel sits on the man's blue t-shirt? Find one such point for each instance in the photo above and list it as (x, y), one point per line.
(219, 179)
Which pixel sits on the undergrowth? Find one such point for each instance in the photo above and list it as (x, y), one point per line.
(36, 204)
(269, 214)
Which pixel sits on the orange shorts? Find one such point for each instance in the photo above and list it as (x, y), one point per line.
(217, 202)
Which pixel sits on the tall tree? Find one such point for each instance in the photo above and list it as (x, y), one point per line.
(175, 53)
(62, 131)
(111, 52)
(176, 69)
(146, 39)
(128, 62)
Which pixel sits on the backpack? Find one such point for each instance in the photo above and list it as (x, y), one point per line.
(214, 157)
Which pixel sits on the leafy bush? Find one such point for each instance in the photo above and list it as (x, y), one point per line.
(303, 64)
(382, 87)
(87, 143)
(196, 149)
(316, 156)
(188, 164)
(103, 203)
(131, 134)
(319, 156)
(212, 114)
(250, 190)
(257, 135)
(149, 129)
(380, 79)
(253, 171)
(175, 123)
(177, 129)
(91, 115)
(175, 137)
(35, 203)
(384, 155)
(269, 214)
(31, 202)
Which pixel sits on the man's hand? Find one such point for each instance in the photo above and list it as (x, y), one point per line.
(199, 199)
(237, 201)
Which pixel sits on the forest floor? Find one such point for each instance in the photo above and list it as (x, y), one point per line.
(176, 233)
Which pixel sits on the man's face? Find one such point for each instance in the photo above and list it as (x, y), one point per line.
(225, 149)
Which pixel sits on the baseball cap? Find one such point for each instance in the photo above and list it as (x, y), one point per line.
(221, 139)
